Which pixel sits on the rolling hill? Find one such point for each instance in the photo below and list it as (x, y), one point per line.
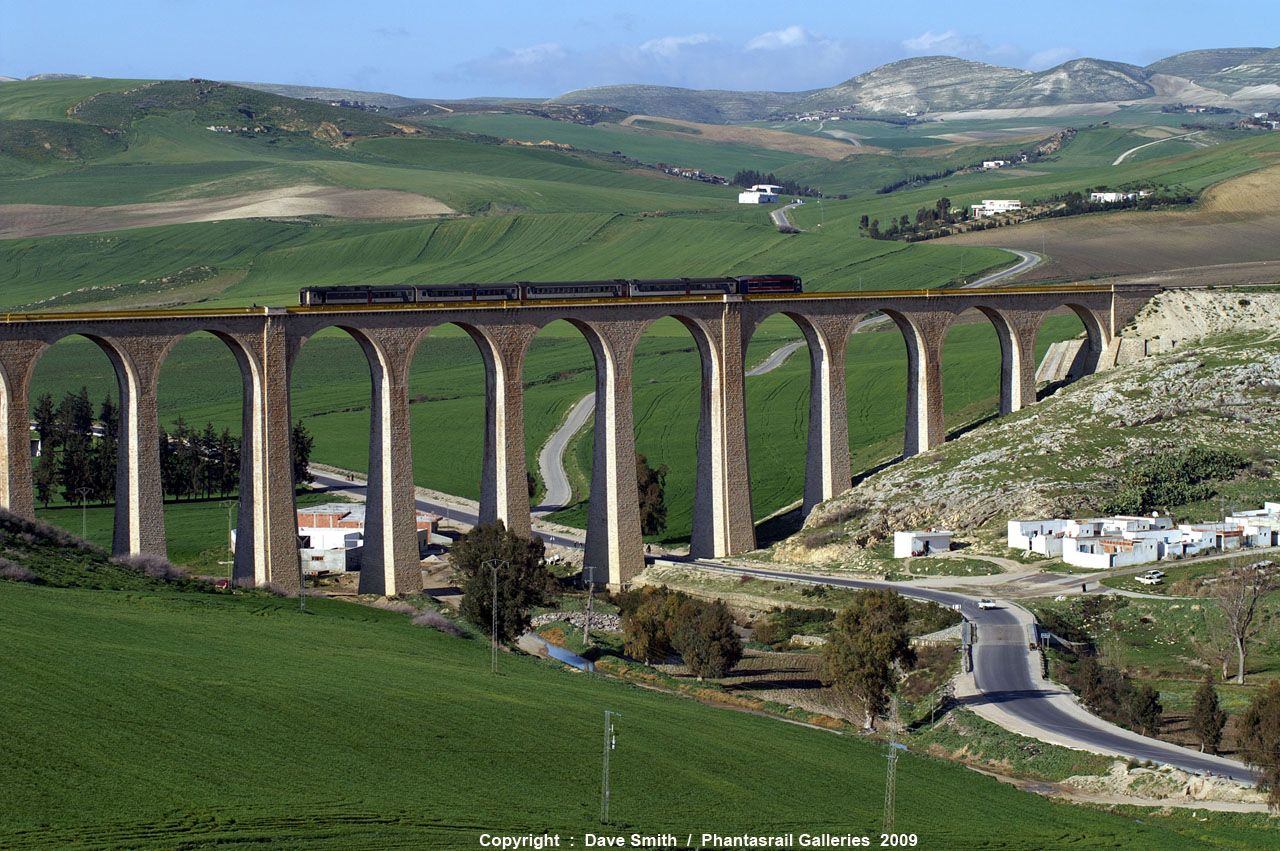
(710, 106)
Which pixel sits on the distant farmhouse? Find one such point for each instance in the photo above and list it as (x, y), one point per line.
(992, 207)
(761, 193)
(1102, 543)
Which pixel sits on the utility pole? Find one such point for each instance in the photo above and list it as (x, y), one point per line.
(591, 596)
(231, 550)
(83, 494)
(891, 770)
(493, 564)
(610, 742)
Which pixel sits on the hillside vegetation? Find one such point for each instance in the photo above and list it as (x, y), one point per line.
(157, 717)
(1069, 454)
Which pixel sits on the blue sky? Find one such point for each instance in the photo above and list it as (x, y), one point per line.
(479, 47)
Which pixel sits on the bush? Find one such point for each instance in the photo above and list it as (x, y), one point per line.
(16, 572)
(1167, 480)
(777, 627)
(30, 531)
(705, 638)
(432, 619)
(155, 567)
(1112, 694)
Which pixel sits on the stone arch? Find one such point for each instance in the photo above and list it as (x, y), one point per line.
(923, 332)
(250, 565)
(1097, 336)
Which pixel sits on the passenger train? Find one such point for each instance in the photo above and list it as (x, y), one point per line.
(526, 291)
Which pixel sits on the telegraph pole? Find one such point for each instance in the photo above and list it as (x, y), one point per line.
(493, 564)
(891, 770)
(591, 596)
(610, 742)
(84, 510)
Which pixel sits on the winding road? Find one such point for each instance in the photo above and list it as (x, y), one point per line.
(1027, 260)
(1007, 687)
(1125, 155)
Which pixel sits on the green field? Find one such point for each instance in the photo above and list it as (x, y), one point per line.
(151, 718)
(537, 213)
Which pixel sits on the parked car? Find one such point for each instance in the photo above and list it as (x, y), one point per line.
(987, 603)
(1148, 579)
(1158, 574)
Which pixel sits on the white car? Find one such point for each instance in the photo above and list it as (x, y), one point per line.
(987, 603)
(1148, 579)
(1158, 574)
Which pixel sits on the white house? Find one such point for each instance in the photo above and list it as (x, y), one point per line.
(1108, 551)
(331, 536)
(761, 193)
(1260, 527)
(994, 206)
(987, 165)
(920, 542)
(1037, 536)
(1111, 197)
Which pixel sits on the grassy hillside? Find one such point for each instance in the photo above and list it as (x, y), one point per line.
(182, 712)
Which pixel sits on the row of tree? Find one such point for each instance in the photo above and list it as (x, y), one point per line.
(78, 454)
(659, 622)
(748, 177)
(927, 220)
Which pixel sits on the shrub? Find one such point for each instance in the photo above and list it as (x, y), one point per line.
(275, 589)
(29, 531)
(16, 572)
(432, 619)
(705, 638)
(777, 627)
(152, 566)
(1174, 479)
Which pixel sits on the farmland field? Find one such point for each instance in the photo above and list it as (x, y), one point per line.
(183, 714)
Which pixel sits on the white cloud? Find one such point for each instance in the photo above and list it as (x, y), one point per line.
(950, 42)
(670, 45)
(1049, 57)
(792, 36)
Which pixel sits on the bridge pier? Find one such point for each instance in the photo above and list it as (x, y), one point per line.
(1016, 330)
(17, 364)
(827, 467)
(390, 564)
(504, 491)
(139, 510)
(923, 333)
(614, 542)
(722, 520)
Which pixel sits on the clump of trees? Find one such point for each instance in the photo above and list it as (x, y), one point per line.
(652, 486)
(79, 452)
(1169, 479)
(748, 177)
(1208, 717)
(1112, 694)
(1260, 740)
(658, 622)
(522, 577)
(866, 649)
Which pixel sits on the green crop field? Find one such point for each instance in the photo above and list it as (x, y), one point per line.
(540, 214)
(155, 718)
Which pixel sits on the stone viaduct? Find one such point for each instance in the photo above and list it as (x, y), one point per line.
(266, 341)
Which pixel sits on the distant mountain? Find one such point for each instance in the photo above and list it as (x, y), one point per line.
(326, 93)
(923, 84)
(929, 84)
(1079, 81)
(708, 106)
(61, 77)
(1195, 65)
(1262, 69)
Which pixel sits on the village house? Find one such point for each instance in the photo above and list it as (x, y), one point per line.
(992, 207)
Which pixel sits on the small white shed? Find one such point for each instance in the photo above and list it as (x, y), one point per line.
(921, 542)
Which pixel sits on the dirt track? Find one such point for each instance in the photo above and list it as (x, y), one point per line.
(29, 220)
(1235, 230)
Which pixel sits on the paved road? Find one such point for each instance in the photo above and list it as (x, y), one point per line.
(551, 459)
(1029, 261)
(1125, 155)
(1005, 679)
(459, 511)
(779, 215)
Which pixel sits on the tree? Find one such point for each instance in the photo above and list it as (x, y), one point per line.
(45, 416)
(45, 477)
(705, 639)
(651, 484)
(1260, 740)
(863, 222)
(1208, 719)
(523, 582)
(867, 644)
(1142, 709)
(301, 441)
(1239, 596)
(647, 625)
(530, 483)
